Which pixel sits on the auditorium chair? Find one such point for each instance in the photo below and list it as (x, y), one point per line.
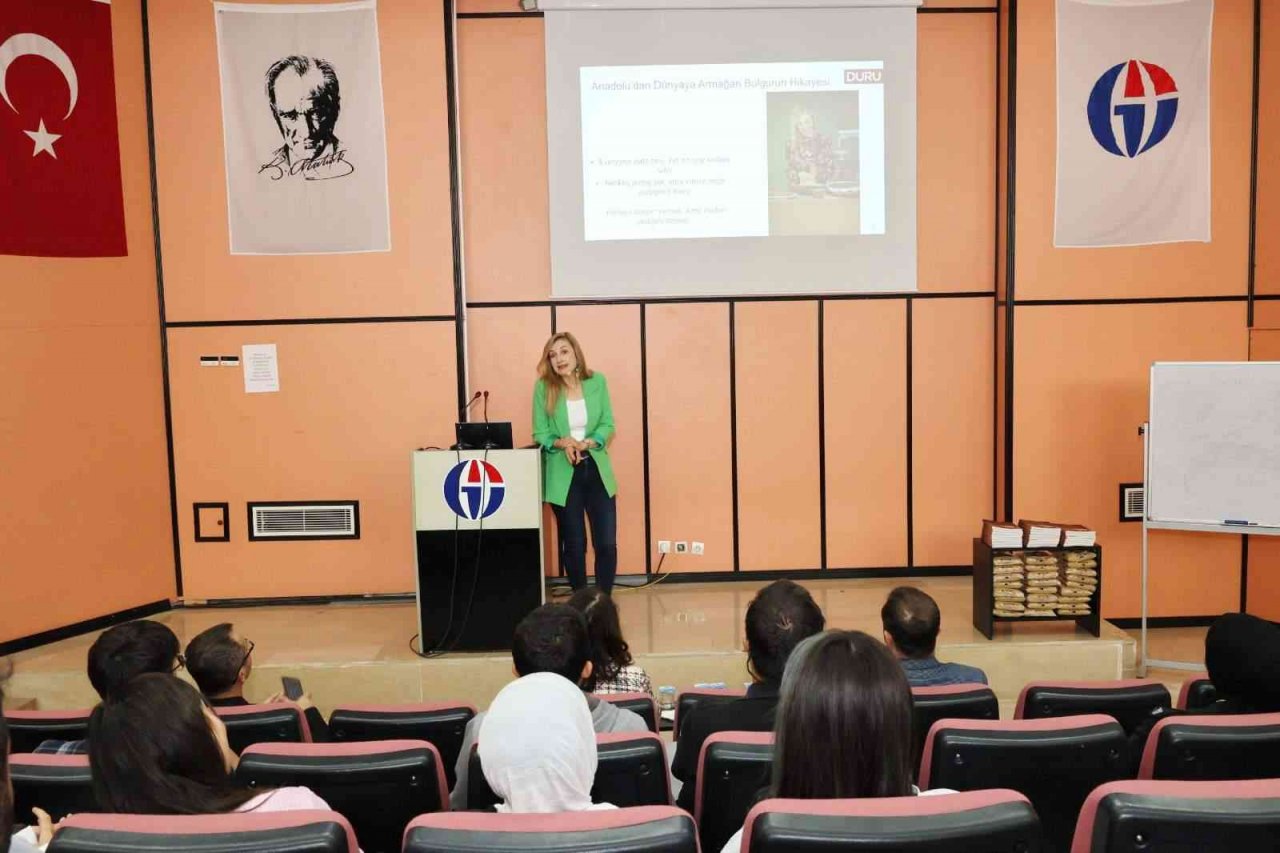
(59, 784)
(733, 767)
(1054, 763)
(1213, 746)
(948, 701)
(1197, 693)
(279, 722)
(1129, 701)
(631, 770)
(996, 821)
(378, 785)
(1149, 816)
(692, 699)
(27, 729)
(637, 703)
(442, 724)
(269, 832)
(642, 829)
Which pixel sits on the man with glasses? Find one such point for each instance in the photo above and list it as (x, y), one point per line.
(220, 661)
(119, 655)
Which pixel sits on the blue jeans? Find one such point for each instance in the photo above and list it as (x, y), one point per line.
(588, 497)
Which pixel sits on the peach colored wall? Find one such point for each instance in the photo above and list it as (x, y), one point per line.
(82, 443)
(1267, 262)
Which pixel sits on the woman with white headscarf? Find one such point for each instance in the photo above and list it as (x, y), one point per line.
(538, 747)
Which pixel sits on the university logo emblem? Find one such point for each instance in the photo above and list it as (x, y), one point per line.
(1145, 101)
(474, 489)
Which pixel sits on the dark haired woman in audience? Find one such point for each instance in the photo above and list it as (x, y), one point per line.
(612, 668)
(157, 748)
(844, 723)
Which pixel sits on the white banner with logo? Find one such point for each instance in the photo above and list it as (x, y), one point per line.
(1133, 122)
(303, 128)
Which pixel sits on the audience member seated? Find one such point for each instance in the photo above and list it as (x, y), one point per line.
(844, 724)
(911, 621)
(551, 639)
(538, 746)
(119, 655)
(156, 748)
(612, 668)
(778, 618)
(220, 661)
(32, 839)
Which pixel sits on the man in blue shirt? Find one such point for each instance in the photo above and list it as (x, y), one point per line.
(911, 620)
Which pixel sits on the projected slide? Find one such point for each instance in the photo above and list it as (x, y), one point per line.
(740, 150)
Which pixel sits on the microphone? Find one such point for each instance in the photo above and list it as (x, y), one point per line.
(462, 413)
(486, 406)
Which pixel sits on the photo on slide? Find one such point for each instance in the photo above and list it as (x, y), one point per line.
(813, 163)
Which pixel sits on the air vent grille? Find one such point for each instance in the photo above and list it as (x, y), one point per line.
(1133, 501)
(305, 520)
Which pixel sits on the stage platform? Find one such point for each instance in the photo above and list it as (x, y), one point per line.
(682, 633)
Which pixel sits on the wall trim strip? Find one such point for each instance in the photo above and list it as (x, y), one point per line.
(75, 629)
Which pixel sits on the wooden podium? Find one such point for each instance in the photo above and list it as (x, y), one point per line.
(478, 531)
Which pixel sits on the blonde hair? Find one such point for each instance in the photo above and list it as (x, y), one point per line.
(550, 379)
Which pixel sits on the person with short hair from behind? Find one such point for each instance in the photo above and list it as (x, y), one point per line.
(844, 724)
(911, 621)
(612, 668)
(220, 661)
(552, 638)
(119, 655)
(778, 618)
(546, 767)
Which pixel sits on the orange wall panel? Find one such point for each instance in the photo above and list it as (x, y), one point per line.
(1080, 394)
(1176, 269)
(779, 513)
(203, 281)
(951, 409)
(690, 467)
(610, 339)
(354, 401)
(1264, 344)
(504, 344)
(1267, 269)
(1264, 577)
(82, 444)
(865, 399)
(956, 152)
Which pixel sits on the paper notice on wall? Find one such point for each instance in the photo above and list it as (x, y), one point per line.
(261, 368)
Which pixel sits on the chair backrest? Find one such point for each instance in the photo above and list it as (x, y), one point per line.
(279, 722)
(441, 724)
(637, 703)
(1197, 692)
(1213, 746)
(379, 785)
(691, 699)
(27, 729)
(1206, 817)
(643, 829)
(1054, 763)
(997, 821)
(733, 768)
(631, 770)
(59, 784)
(1129, 700)
(297, 832)
(947, 702)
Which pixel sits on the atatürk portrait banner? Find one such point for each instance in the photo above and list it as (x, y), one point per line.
(303, 128)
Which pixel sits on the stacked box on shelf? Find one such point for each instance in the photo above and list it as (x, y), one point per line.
(1043, 584)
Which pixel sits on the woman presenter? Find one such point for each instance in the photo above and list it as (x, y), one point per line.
(573, 423)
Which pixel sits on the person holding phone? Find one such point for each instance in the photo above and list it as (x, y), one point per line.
(573, 423)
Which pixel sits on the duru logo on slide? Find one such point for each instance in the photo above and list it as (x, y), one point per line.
(474, 489)
(863, 75)
(1147, 107)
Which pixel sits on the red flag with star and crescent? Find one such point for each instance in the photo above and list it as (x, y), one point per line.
(60, 192)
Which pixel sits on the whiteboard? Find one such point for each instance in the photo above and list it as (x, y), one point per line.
(1214, 443)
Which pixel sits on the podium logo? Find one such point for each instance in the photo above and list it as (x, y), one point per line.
(474, 489)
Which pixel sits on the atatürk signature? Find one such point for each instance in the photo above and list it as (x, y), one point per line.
(323, 168)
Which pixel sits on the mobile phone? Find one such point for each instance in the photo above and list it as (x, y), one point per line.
(292, 687)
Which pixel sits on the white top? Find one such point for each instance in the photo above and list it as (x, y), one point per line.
(577, 419)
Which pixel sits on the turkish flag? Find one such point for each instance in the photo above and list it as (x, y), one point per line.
(60, 193)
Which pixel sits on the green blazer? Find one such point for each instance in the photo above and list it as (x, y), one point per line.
(557, 473)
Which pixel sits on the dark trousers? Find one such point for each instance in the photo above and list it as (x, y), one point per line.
(588, 497)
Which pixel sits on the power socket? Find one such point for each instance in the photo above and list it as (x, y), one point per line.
(682, 547)
(698, 549)
(664, 546)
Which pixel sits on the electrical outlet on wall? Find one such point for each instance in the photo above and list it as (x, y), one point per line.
(682, 547)
(698, 549)
(664, 546)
